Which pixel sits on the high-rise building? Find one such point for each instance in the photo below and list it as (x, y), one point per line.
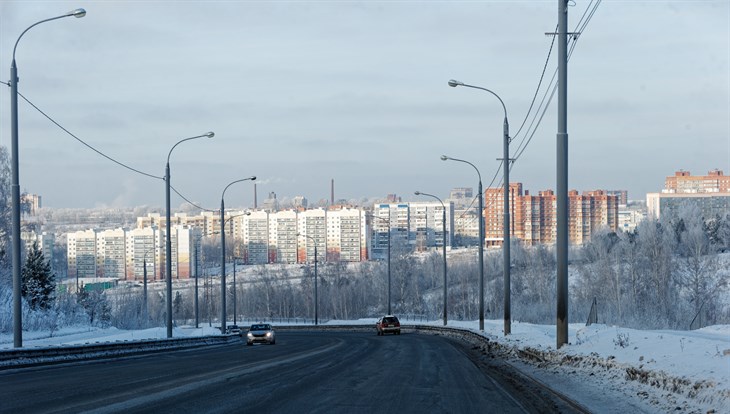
(312, 229)
(81, 253)
(111, 248)
(283, 237)
(623, 196)
(145, 247)
(255, 237)
(30, 203)
(414, 225)
(709, 194)
(45, 243)
(533, 218)
(346, 235)
(120, 253)
(684, 182)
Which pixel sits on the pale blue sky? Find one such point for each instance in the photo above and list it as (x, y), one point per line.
(302, 92)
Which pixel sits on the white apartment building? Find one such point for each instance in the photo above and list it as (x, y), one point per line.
(466, 227)
(145, 246)
(427, 224)
(81, 253)
(414, 225)
(111, 247)
(283, 237)
(120, 253)
(346, 235)
(312, 230)
(45, 243)
(253, 230)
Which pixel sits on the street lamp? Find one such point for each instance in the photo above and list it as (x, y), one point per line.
(387, 221)
(444, 244)
(235, 259)
(17, 277)
(316, 302)
(506, 237)
(144, 273)
(168, 243)
(481, 240)
(223, 252)
(197, 263)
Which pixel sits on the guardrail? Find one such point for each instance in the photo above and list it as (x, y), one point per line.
(26, 357)
(20, 358)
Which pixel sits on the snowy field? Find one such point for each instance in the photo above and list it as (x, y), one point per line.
(605, 368)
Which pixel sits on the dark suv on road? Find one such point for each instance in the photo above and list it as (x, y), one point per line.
(388, 324)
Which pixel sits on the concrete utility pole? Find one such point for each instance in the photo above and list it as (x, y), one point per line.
(561, 194)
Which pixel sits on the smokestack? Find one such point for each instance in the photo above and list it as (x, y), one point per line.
(255, 200)
(332, 193)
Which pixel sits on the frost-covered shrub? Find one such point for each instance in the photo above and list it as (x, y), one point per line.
(622, 340)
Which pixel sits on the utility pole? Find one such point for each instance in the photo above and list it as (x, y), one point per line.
(561, 193)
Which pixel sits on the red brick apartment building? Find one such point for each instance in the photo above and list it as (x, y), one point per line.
(684, 182)
(533, 217)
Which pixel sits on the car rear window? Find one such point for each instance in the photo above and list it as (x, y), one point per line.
(390, 320)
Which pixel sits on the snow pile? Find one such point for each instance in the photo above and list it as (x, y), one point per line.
(672, 370)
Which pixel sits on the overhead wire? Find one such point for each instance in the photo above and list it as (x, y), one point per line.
(84, 142)
(552, 86)
(104, 155)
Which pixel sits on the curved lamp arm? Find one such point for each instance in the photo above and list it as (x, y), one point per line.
(79, 13)
(206, 135)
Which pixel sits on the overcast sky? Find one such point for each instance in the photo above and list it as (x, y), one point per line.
(302, 92)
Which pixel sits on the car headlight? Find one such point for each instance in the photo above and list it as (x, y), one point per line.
(268, 334)
(250, 335)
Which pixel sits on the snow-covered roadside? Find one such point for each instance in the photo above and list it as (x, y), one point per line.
(614, 369)
(606, 368)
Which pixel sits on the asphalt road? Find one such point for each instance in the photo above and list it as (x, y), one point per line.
(305, 372)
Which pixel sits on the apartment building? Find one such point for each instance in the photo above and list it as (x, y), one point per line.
(145, 247)
(111, 249)
(283, 239)
(684, 182)
(81, 254)
(312, 230)
(414, 225)
(709, 194)
(346, 235)
(121, 253)
(45, 242)
(253, 231)
(533, 218)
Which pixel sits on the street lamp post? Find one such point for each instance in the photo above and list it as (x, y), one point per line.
(15, 186)
(144, 281)
(316, 301)
(387, 221)
(168, 242)
(197, 320)
(235, 259)
(481, 240)
(223, 252)
(444, 244)
(506, 237)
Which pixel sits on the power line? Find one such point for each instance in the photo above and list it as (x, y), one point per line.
(83, 142)
(580, 27)
(104, 155)
(542, 75)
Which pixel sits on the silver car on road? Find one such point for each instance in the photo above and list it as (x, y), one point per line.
(262, 333)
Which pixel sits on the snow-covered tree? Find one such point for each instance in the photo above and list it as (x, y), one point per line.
(39, 282)
(5, 218)
(96, 305)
